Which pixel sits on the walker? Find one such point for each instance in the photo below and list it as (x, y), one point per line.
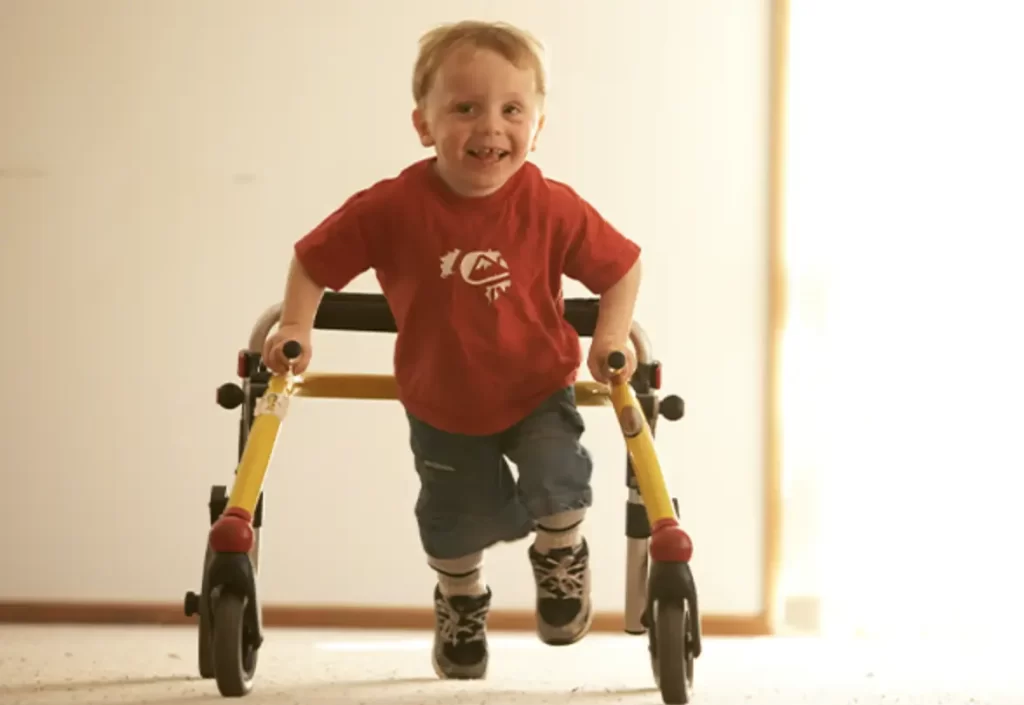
(660, 592)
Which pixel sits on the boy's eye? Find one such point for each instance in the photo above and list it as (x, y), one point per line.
(513, 109)
(464, 108)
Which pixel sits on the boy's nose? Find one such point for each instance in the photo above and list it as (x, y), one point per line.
(489, 123)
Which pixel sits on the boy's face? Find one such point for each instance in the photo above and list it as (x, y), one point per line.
(482, 116)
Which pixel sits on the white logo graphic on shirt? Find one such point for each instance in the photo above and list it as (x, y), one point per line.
(486, 268)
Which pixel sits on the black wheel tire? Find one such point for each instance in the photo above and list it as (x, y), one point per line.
(207, 667)
(233, 654)
(672, 652)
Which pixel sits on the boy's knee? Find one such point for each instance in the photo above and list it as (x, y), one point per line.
(447, 493)
(448, 536)
(555, 475)
(543, 504)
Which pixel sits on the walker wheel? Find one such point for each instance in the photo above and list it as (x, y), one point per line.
(200, 605)
(672, 651)
(233, 650)
(207, 667)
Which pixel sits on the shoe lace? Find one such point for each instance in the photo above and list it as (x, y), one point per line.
(561, 576)
(457, 626)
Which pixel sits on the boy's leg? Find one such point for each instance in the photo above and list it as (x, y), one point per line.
(554, 484)
(461, 603)
(460, 576)
(467, 502)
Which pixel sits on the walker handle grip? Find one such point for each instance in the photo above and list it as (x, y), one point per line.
(616, 361)
(292, 349)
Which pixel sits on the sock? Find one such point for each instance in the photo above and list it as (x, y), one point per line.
(460, 576)
(560, 530)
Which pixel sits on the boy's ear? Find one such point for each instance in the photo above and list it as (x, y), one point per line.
(419, 121)
(536, 135)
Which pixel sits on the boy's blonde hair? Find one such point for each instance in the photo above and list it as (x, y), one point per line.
(518, 46)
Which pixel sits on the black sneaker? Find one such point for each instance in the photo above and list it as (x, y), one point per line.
(564, 612)
(460, 635)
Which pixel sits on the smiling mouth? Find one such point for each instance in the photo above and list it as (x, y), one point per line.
(488, 154)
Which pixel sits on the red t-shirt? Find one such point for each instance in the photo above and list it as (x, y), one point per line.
(475, 286)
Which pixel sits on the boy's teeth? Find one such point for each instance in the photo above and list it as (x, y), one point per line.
(487, 153)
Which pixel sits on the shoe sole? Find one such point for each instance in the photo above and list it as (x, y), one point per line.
(584, 630)
(439, 672)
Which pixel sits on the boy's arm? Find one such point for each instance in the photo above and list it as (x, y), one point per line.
(607, 263)
(302, 297)
(614, 320)
(330, 256)
(301, 300)
(615, 311)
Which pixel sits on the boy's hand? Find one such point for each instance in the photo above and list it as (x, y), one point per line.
(597, 361)
(273, 349)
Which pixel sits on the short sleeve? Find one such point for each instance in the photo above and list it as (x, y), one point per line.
(339, 249)
(597, 254)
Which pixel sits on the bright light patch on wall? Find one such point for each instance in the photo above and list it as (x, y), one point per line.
(904, 217)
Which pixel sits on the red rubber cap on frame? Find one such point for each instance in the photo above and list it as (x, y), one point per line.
(669, 543)
(232, 532)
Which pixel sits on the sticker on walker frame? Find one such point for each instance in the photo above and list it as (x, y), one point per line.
(272, 403)
(631, 422)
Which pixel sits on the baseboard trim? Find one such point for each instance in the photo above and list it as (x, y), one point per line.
(329, 617)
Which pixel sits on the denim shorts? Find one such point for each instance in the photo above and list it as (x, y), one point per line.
(469, 499)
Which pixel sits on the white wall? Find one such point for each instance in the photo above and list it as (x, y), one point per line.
(159, 159)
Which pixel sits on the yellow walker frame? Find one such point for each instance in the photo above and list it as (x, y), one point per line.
(661, 596)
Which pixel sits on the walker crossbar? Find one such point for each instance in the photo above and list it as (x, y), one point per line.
(370, 313)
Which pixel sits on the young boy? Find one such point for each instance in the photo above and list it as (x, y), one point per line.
(470, 246)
